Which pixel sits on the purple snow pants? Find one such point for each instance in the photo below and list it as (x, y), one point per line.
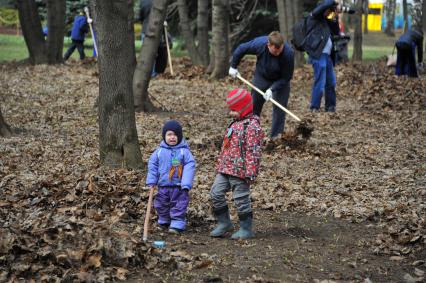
(171, 204)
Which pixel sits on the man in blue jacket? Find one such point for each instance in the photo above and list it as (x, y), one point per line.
(274, 71)
(406, 57)
(322, 25)
(78, 33)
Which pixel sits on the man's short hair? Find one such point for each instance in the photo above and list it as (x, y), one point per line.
(276, 39)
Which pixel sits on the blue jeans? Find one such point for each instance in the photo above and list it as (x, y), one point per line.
(324, 82)
(281, 96)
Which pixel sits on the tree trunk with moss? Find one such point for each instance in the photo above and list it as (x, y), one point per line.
(118, 140)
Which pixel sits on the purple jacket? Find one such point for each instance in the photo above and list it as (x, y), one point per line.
(160, 166)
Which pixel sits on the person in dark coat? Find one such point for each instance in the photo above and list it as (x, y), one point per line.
(322, 26)
(406, 53)
(78, 33)
(274, 71)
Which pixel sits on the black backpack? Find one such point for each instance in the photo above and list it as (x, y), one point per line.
(299, 34)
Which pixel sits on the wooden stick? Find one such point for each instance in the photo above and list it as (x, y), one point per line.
(169, 55)
(86, 10)
(147, 215)
(271, 99)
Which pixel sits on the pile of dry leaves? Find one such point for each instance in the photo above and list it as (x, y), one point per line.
(62, 217)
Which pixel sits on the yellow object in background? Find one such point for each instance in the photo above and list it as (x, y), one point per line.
(374, 17)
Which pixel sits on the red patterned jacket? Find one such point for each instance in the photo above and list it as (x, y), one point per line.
(241, 148)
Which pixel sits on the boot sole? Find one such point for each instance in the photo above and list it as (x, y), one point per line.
(223, 234)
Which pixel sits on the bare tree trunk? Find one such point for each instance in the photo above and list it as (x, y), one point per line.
(365, 16)
(147, 55)
(417, 15)
(357, 54)
(424, 22)
(40, 51)
(390, 17)
(220, 21)
(405, 13)
(118, 140)
(56, 26)
(282, 16)
(203, 31)
(32, 31)
(5, 130)
(289, 12)
(187, 33)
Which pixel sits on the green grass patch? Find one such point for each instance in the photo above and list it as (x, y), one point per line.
(13, 47)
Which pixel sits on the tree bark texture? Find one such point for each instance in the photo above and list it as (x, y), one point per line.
(357, 54)
(417, 14)
(220, 21)
(187, 33)
(56, 27)
(5, 130)
(289, 12)
(147, 56)
(405, 13)
(31, 28)
(424, 22)
(203, 31)
(365, 9)
(118, 140)
(390, 17)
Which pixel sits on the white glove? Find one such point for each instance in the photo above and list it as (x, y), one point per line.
(89, 20)
(233, 72)
(268, 94)
(165, 23)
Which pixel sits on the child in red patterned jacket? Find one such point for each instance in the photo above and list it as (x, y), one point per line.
(237, 166)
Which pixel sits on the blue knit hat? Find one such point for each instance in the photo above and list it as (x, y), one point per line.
(173, 125)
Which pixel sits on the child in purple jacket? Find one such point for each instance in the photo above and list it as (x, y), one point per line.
(172, 168)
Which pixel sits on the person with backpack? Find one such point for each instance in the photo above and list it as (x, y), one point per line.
(321, 26)
(274, 71)
(406, 57)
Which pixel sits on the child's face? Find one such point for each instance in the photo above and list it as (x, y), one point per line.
(171, 138)
(234, 114)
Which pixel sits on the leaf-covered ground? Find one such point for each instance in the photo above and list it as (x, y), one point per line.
(346, 205)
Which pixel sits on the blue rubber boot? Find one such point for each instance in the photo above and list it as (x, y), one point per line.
(224, 223)
(245, 232)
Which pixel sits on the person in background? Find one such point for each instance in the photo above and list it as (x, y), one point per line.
(322, 26)
(406, 53)
(78, 34)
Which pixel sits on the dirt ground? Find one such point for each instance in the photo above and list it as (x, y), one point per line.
(346, 205)
(288, 247)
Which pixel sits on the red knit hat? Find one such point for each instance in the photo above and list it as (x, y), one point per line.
(240, 100)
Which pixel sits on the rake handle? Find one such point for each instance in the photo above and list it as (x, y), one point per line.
(271, 99)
